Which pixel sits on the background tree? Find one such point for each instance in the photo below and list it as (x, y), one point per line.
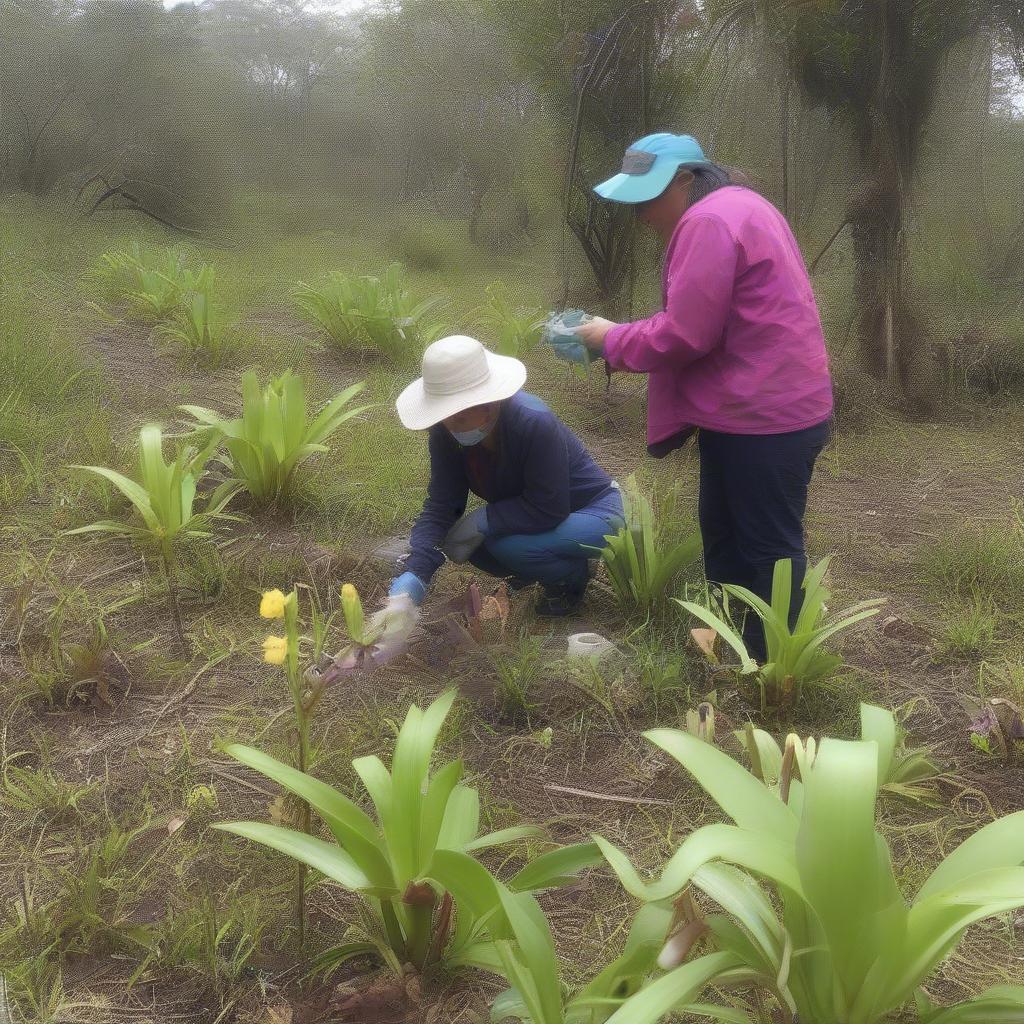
(876, 64)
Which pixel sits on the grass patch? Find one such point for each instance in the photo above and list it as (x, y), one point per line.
(971, 565)
(969, 629)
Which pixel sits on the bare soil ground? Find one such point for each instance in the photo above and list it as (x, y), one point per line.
(879, 499)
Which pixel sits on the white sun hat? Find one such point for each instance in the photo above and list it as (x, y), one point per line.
(458, 373)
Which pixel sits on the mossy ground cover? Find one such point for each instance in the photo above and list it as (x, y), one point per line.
(120, 901)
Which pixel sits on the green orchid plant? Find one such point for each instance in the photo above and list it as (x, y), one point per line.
(796, 656)
(640, 564)
(164, 499)
(393, 862)
(275, 435)
(811, 915)
(510, 329)
(371, 312)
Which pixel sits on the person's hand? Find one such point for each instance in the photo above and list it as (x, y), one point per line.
(592, 333)
(466, 536)
(411, 585)
(392, 625)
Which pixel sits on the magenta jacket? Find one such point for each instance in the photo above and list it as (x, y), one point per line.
(739, 346)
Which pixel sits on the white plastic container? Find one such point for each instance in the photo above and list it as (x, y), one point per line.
(586, 645)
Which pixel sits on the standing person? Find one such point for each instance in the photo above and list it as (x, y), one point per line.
(737, 354)
(546, 501)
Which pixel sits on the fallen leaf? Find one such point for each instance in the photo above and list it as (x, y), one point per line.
(280, 1014)
(174, 824)
(705, 639)
(496, 605)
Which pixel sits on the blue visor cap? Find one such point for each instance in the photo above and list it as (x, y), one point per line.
(649, 165)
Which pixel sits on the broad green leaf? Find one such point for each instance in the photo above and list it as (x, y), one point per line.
(377, 780)
(825, 633)
(782, 589)
(879, 725)
(327, 858)
(509, 1004)
(409, 769)
(757, 852)
(999, 844)
(1003, 1004)
(353, 829)
(679, 986)
(537, 948)
(843, 877)
(730, 785)
(462, 819)
(473, 887)
(936, 923)
(134, 492)
(810, 611)
(110, 526)
(556, 867)
(913, 767)
(502, 837)
(738, 894)
(433, 807)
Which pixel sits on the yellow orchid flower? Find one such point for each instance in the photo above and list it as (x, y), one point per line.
(353, 609)
(275, 650)
(272, 605)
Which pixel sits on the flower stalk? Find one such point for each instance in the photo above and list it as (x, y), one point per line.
(285, 651)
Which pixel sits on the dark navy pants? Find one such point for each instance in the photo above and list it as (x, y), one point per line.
(753, 494)
(559, 556)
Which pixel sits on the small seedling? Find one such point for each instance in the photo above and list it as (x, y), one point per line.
(164, 497)
(641, 564)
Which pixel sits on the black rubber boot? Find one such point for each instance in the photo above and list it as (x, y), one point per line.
(560, 600)
(515, 583)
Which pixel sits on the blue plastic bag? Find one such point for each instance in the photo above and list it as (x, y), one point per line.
(560, 334)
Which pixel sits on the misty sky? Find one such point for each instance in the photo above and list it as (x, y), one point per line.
(330, 5)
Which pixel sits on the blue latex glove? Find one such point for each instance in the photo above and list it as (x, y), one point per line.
(411, 585)
(558, 333)
(466, 536)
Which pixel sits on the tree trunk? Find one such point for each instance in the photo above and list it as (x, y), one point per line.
(784, 144)
(988, 56)
(877, 218)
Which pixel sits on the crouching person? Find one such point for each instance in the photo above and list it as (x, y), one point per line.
(547, 503)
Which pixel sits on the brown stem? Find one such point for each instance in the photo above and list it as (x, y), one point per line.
(786, 772)
(828, 245)
(442, 929)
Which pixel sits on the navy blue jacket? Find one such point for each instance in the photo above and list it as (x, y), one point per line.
(541, 473)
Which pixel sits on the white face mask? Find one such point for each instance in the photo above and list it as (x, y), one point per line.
(468, 438)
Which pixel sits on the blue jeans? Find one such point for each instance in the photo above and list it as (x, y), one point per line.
(559, 556)
(753, 494)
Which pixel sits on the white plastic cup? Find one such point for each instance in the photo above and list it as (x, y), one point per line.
(586, 645)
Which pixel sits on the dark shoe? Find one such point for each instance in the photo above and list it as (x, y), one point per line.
(560, 600)
(515, 583)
